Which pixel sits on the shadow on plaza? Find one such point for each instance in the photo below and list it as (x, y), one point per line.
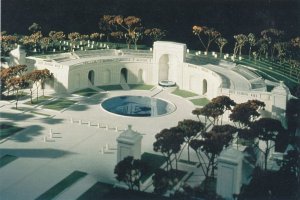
(36, 153)
(51, 120)
(27, 134)
(16, 116)
(85, 102)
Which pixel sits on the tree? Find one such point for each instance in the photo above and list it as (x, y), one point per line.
(95, 36)
(245, 113)
(32, 40)
(117, 35)
(45, 41)
(295, 67)
(169, 142)
(291, 164)
(107, 25)
(224, 102)
(35, 77)
(210, 110)
(273, 36)
(210, 146)
(130, 171)
(252, 43)
(133, 27)
(7, 43)
(241, 40)
(84, 37)
(221, 42)
(263, 44)
(293, 115)
(161, 181)
(267, 130)
(57, 36)
(155, 34)
(210, 33)
(164, 180)
(8, 73)
(44, 76)
(190, 129)
(73, 37)
(17, 83)
(295, 42)
(18, 70)
(33, 28)
(281, 48)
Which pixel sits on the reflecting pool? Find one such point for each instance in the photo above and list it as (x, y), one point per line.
(138, 106)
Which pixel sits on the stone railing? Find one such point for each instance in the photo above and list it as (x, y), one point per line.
(260, 95)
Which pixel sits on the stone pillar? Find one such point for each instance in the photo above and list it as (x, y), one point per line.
(279, 101)
(229, 178)
(17, 56)
(129, 144)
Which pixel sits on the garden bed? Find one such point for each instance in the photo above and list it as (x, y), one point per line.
(110, 87)
(87, 92)
(62, 185)
(200, 101)
(140, 87)
(59, 104)
(153, 162)
(183, 93)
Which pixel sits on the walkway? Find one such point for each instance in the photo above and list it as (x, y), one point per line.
(73, 146)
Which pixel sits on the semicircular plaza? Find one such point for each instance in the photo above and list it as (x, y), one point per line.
(169, 61)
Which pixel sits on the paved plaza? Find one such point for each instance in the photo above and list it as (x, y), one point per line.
(83, 139)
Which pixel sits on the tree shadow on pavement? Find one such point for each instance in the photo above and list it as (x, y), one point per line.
(37, 153)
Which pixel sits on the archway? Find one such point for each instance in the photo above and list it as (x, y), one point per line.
(140, 76)
(204, 86)
(168, 67)
(91, 76)
(123, 75)
(163, 68)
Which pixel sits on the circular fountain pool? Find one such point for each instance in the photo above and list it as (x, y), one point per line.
(138, 106)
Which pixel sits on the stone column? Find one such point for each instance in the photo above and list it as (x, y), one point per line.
(129, 144)
(229, 178)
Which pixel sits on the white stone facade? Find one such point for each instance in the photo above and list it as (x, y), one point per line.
(168, 61)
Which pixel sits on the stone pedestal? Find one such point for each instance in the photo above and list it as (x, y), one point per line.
(229, 179)
(129, 144)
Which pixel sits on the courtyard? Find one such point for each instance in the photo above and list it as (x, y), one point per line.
(83, 139)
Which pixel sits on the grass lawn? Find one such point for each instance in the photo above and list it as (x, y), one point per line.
(87, 92)
(7, 130)
(40, 100)
(59, 104)
(153, 162)
(6, 159)
(62, 185)
(183, 93)
(140, 87)
(97, 191)
(200, 102)
(110, 87)
(38, 113)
